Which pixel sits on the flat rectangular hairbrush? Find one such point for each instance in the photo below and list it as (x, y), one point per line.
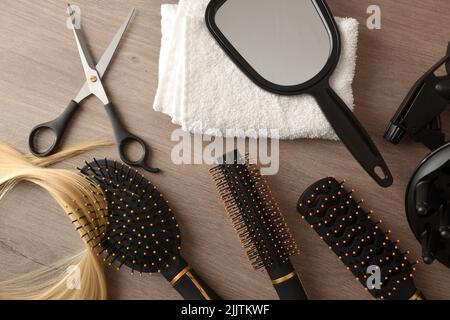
(259, 223)
(358, 241)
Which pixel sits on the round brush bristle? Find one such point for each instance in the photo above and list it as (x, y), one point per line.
(141, 230)
(255, 215)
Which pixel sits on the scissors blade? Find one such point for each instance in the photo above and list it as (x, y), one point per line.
(92, 77)
(85, 55)
(106, 59)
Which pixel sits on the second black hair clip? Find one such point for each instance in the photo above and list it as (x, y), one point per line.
(419, 114)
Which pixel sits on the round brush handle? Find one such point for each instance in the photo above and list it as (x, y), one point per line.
(287, 283)
(188, 284)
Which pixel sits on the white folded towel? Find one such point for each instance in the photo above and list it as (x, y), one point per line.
(202, 90)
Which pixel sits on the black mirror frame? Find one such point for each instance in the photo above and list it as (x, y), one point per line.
(245, 67)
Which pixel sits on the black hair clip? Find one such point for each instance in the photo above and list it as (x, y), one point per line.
(419, 114)
(428, 192)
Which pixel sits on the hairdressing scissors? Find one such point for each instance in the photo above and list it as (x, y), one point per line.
(93, 86)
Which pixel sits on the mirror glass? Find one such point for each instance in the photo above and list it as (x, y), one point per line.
(287, 42)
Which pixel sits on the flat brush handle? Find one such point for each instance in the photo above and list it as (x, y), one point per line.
(287, 283)
(188, 284)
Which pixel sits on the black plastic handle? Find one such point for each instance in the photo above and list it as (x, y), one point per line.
(353, 135)
(286, 282)
(57, 126)
(188, 284)
(124, 137)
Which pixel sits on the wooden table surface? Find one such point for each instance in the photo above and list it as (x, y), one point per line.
(40, 71)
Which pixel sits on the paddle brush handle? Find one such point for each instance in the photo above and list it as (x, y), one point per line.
(287, 283)
(188, 284)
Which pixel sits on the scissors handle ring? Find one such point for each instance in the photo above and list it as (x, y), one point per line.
(124, 138)
(58, 128)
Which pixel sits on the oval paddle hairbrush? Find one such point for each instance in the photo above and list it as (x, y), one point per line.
(141, 231)
(358, 241)
(259, 223)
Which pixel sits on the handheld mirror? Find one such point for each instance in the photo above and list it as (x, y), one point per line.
(291, 47)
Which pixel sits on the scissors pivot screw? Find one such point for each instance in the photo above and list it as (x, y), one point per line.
(94, 79)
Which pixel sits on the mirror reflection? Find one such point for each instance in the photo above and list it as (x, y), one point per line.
(287, 42)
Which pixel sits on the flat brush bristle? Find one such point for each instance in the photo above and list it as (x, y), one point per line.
(141, 231)
(255, 214)
(358, 241)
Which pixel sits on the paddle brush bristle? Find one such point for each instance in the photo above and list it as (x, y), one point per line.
(358, 241)
(254, 213)
(89, 216)
(141, 231)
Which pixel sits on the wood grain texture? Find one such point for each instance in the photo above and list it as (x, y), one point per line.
(40, 72)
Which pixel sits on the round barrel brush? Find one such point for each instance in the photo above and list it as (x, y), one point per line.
(141, 231)
(359, 242)
(259, 223)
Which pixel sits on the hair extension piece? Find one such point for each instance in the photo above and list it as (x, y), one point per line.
(83, 203)
(357, 240)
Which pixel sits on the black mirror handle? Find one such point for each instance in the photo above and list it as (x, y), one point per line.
(353, 135)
